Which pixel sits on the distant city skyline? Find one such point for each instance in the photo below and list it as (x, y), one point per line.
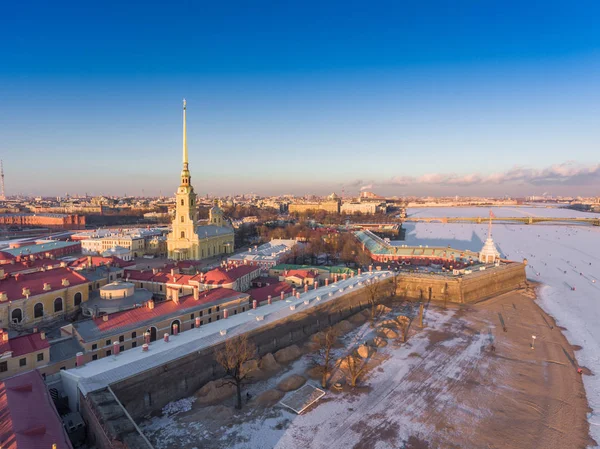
(485, 100)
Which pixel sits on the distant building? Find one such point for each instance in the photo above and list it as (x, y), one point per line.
(331, 205)
(118, 251)
(362, 207)
(267, 255)
(58, 221)
(49, 249)
(187, 240)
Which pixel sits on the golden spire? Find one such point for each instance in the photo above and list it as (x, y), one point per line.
(185, 174)
(185, 153)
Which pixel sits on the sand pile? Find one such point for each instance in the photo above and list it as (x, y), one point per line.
(215, 391)
(269, 398)
(288, 354)
(290, 383)
(268, 363)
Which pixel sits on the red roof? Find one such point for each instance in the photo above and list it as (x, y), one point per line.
(302, 274)
(220, 276)
(83, 262)
(14, 286)
(24, 344)
(6, 256)
(26, 264)
(130, 317)
(262, 293)
(163, 277)
(29, 419)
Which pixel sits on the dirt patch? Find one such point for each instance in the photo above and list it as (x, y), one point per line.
(370, 435)
(436, 337)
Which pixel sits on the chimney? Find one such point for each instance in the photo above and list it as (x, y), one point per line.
(89, 261)
(63, 264)
(4, 336)
(47, 286)
(65, 282)
(25, 292)
(43, 335)
(105, 318)
(3, 296)
(150, 304)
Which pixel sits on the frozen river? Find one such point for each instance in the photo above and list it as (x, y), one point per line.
(565, 259)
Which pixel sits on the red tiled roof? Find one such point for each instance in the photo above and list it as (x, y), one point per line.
(24, 344)
(83, 262)
(220, 276)
(130, 317)
(262, 293)
(139, 275)
(29, 419)
(12, 268)
(14, 286)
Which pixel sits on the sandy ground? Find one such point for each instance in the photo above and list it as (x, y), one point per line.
(445, 388)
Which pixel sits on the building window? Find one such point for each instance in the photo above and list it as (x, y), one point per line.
(160, 287)
(16, 316)
(121, 338)
(133, 334)
(3, 367)
(94, 347)
(58, 305)
(182, 203)
(40, 357)
(192, 316)
(193, 325)
(107, 343)
(77, 299)
(209, 311)
(243, 309)
(109, 352)
(210, 320)
(142, 285)
(95, 357)
(218, 317)
(218, 308)
(134, 344)
(182, 234)
(38, 310)
(122, 348)
(200, 313)
(22, 362)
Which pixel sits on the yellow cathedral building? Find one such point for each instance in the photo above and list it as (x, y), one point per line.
(188, 240)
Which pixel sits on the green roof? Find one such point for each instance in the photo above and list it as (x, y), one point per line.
(39, 248)
(332, 270)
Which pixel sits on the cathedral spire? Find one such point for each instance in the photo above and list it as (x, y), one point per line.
(185, 174)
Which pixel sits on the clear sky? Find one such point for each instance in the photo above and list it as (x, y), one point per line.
(401, 97)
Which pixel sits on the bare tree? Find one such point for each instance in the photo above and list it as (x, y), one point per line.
(394, 283)
(353, 367)
(404, 325)
(324, 357)
(233, 359)
(372, 288)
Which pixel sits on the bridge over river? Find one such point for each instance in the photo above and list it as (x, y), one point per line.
(523, 220)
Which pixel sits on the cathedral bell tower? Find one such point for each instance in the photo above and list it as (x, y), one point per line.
(183, 234)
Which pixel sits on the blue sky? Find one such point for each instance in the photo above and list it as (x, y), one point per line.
(432, 97)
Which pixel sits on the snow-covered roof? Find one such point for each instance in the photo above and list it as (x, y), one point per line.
(100, 373)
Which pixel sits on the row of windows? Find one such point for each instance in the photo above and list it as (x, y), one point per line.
(16, 315)
(153, 331)
(22, 362)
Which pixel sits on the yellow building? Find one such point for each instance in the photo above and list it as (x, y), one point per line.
(37, 298)
(187, 240)
(22, 353)
(331, 205)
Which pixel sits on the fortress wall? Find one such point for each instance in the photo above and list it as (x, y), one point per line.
(492, 282)
(151, 390)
